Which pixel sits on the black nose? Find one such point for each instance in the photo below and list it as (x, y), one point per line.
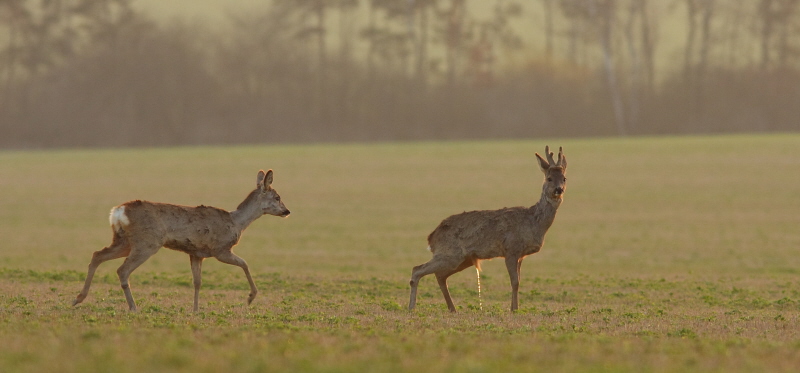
(286, 213)
(559, 190)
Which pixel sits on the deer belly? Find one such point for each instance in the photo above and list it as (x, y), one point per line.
(484, 251)
(532, 250)
(189, 247)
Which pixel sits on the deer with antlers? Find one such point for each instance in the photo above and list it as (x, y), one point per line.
(141, 228)
(463, 240)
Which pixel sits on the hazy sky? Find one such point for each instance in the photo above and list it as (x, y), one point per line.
(216, 9)
(197, 10)
(214, 13)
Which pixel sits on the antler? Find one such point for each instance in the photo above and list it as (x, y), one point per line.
(560, 157)
(549, 155)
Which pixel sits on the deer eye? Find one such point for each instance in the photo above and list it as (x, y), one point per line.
(549, 179)
(277, 198)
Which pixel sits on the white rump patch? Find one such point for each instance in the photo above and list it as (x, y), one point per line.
(429, 248)
(117, 218)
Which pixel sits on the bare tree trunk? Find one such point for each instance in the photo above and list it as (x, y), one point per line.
(10, 63)
(371, 50)
(635, 83)
(648, 45)
(604, 13)
(548, 29)
(575, 32)
(422, 49)
(705, 34)
(787, 14)
(413, 96)
(702, 66)
(688, 54)
(454, 30)
(418, 34)
(322, 73)
(767, 26)
(342, 96)
(736, 16)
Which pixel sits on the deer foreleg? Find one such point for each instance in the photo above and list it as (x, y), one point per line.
(197, 263)
(231, 258)
(513, 265)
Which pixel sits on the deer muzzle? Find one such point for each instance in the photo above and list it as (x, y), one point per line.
(558, 192)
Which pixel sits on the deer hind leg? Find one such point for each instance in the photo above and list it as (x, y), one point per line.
(514, 265)
(231, 258)
(139, 254)
(197, 263)
(432, 266)
(442, 276)
(117, 249)
(443, 267)
(416, 274)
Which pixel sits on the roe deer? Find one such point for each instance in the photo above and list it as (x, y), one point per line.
(141, 228)
(463, 240)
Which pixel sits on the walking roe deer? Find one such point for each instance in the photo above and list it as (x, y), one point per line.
(141, 228)
(463, 240)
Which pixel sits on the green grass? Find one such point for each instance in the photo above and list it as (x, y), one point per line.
(668, 255)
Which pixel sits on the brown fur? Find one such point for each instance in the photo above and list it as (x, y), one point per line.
(202, 232)
(463, 240)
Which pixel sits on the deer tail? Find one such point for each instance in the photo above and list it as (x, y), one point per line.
(117, 218)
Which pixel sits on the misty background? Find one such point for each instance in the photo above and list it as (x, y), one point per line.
(78, 73)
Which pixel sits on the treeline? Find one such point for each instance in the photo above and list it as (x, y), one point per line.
(99, 73)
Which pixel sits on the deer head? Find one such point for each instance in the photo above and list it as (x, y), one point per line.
(555, 182)
(267, 197)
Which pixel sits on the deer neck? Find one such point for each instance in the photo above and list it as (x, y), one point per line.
(247, 212)
(543, 213)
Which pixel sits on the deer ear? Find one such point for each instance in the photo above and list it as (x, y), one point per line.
(260, 179)
(564, 162)
(543, 164)
(268, 178)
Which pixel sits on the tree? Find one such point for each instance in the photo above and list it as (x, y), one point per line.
(453, 35)
(700, 13)
(15, 17)
(601, 17)
(549, 33)
(776, 16)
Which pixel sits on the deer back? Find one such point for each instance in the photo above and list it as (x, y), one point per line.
(487, 234)
(200, 230)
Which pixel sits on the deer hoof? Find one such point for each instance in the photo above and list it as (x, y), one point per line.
(78, 299)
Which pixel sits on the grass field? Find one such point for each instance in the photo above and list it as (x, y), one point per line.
(668, 255)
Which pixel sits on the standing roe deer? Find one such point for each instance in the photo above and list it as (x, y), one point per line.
(141, 228)
(465, 239)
